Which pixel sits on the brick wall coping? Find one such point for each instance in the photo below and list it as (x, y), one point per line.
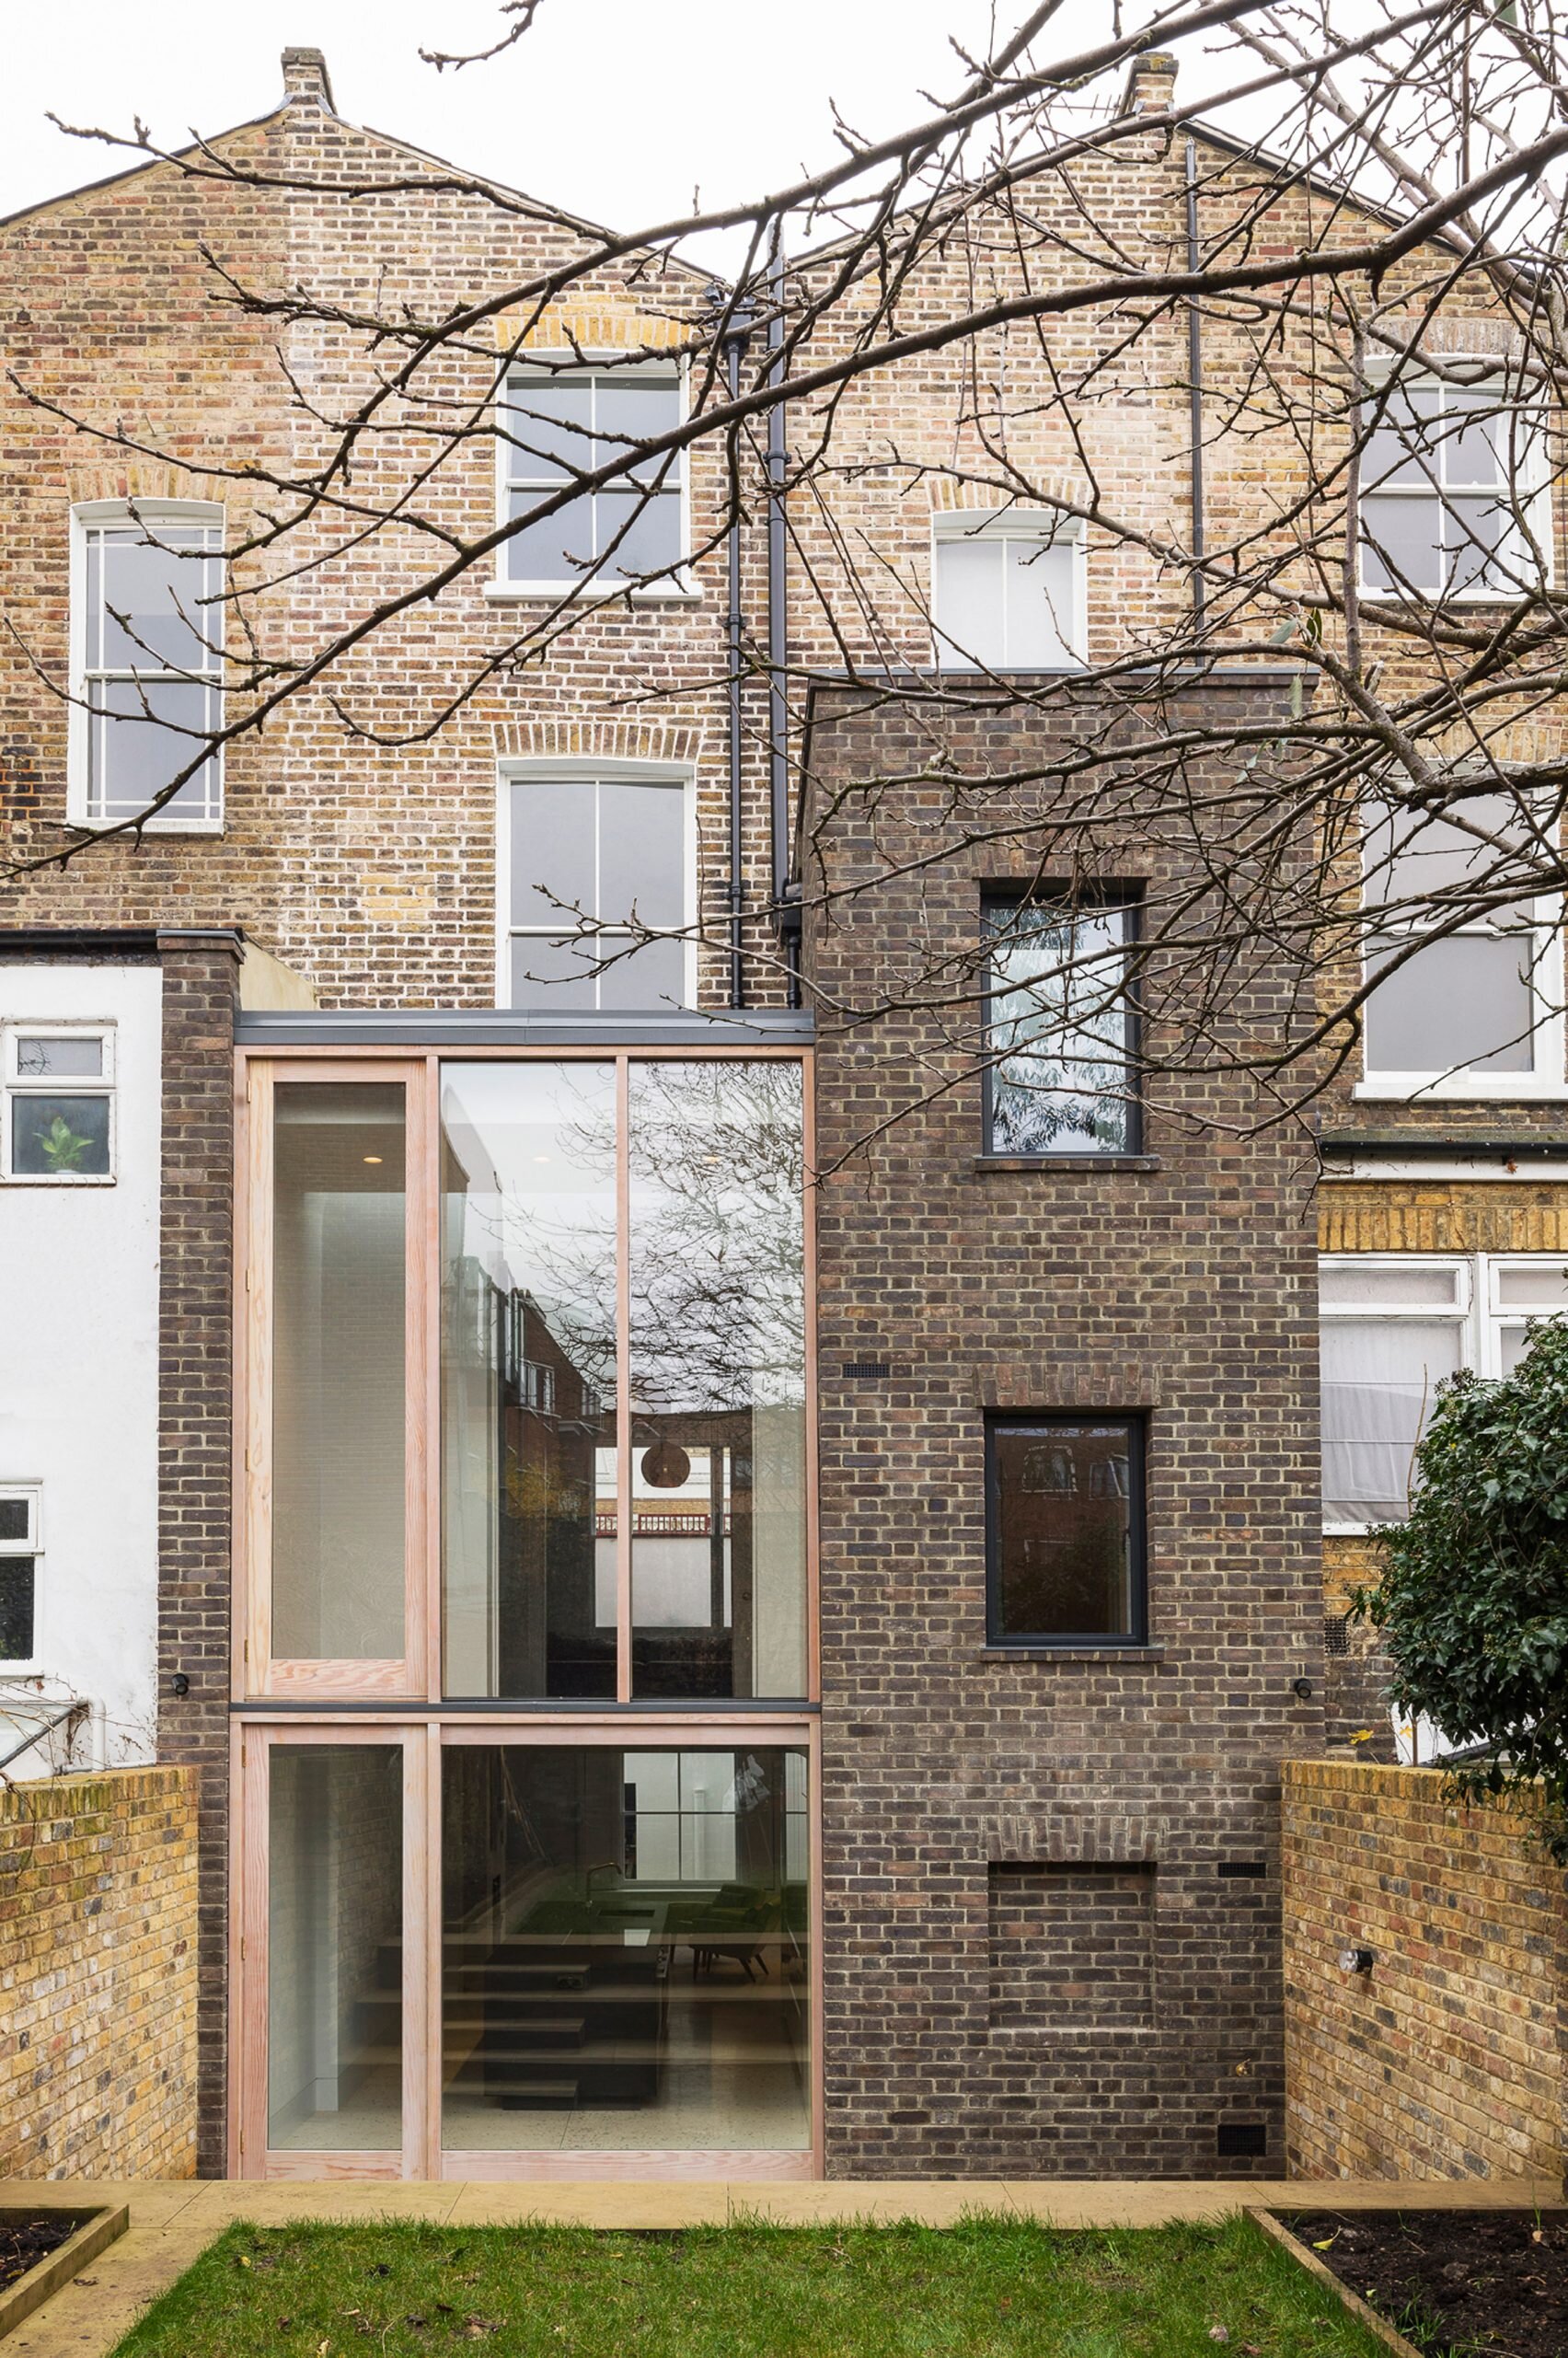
(71, 1796)
(1370, 1777)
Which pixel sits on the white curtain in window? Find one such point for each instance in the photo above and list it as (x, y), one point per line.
(1380, 1376)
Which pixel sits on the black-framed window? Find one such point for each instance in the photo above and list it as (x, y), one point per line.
(1064, 1531)
(1061, 1060)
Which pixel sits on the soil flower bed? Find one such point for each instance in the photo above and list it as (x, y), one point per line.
(1457, 2283)
(24, 2241)
(988, 2287)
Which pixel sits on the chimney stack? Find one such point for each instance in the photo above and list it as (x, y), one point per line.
(1151, 85)
(305, 79)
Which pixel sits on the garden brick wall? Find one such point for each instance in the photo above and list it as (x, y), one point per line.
(97, 1976)
(1449, 2059)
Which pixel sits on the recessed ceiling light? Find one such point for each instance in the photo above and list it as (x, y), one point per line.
(372, 1158)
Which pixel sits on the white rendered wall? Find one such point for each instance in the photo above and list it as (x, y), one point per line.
(79, 1382)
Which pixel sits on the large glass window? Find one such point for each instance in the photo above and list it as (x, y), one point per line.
(1449, 481)
(612, 850)
(718, 1353)
(528, 1377)
(1393, 1328)
(604, 1537)
(1061, 1074)
(558, 424)
(1065, 1501)
(335, 1949)
(339, 1369)
(1006, 592)
(149, 637)
(1476, 1010)
(625, 1946)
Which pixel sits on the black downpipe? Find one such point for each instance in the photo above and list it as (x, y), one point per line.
(736, 345)
(1195, 390)
(777, 638)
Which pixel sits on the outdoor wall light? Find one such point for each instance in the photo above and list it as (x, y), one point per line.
(1303, 1687)
(180, 1683)
(1356, 1960)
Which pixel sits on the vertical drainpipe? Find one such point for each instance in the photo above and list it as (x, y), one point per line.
(778, 628)
(1195, 389)
(734, 347)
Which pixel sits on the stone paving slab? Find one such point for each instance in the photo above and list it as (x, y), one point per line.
(173, 2222)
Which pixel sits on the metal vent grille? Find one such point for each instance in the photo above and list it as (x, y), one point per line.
(867, 1366)
(1336, 1634)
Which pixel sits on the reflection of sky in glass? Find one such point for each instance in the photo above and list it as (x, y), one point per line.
(1058, 1017)
(535, 1143)
(717, 1269)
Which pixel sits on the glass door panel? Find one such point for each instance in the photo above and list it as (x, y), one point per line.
(335, 2026)
(718, 1383)
(625, 1949)
(339, 1373)
(529, 1378)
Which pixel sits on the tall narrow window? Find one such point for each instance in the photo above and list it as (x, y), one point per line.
(21, 1541)
(1476, 1007)
(562, 423)
(1007, 592)
(1450, 484)
(335, 1939)
(338, 1419)
(614, 852)
(1065, 1512)
(1061, 1043)
(148, 638)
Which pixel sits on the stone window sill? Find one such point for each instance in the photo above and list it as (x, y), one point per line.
(1066, 1163)
(1135, 1654)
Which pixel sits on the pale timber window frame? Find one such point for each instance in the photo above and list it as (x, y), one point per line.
(1522, 471)
(679, 588)
(203, 813)
(1036, 531)
(589, 771)
(17, 1085)
(1484, 1322)
(1542, 944)
(28, 1549)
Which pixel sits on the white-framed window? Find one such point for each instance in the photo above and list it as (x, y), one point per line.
(615, 843)
(561, 417)
(21, 1552)
(146, 661)
(1007, 590)
(1393, 1326)
(57, 1104)
(1453, 501)
(1476, 1010)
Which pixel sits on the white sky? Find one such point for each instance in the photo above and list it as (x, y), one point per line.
(612, 109)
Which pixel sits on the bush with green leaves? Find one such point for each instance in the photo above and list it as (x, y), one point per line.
(1472, 1598)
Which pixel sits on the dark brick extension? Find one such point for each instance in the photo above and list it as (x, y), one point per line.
(954, 1775)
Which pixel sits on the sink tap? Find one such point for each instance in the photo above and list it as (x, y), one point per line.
(599, 1866)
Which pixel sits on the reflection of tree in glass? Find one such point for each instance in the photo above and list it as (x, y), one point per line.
(718, 1254)
(1058, 1017)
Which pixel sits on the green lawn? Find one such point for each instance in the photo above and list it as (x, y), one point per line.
(989, 2286)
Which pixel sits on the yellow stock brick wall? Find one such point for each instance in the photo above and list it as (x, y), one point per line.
(1447, 2059)
(97, 1976)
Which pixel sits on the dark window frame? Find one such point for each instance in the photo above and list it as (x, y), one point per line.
(1128, 898)
(1044, 1422)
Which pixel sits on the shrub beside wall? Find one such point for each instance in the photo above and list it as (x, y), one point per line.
(1449, 2058)
(97, 1976)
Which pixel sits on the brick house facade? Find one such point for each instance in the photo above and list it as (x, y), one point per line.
(1046, 1928)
